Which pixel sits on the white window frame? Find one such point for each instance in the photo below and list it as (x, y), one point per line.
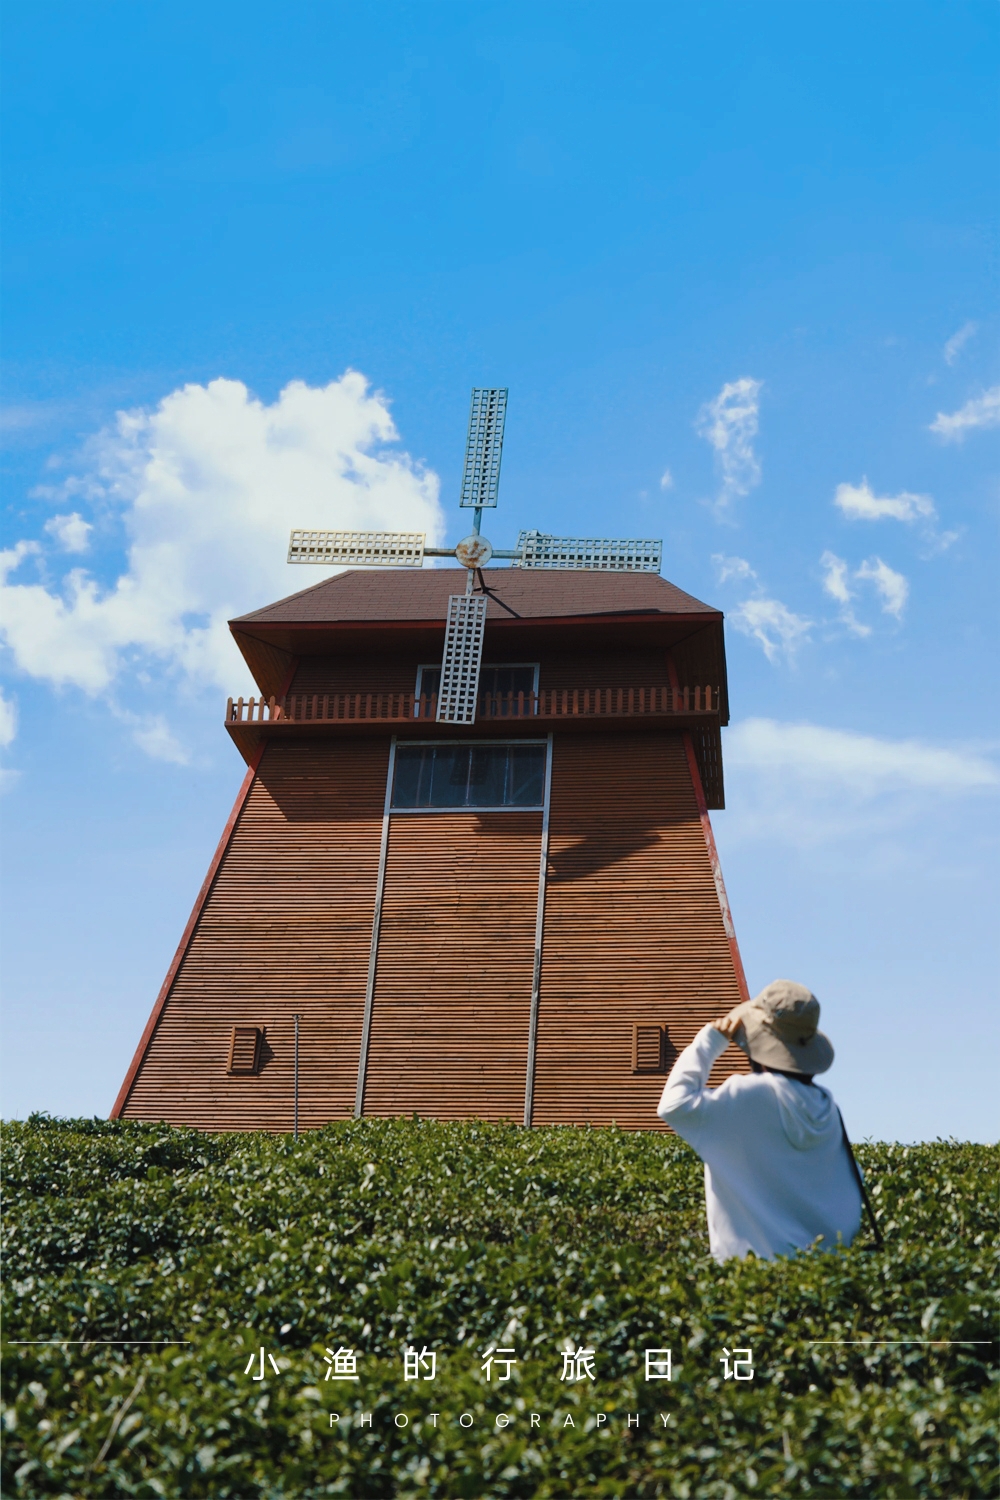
(409, 812)
(435, 666)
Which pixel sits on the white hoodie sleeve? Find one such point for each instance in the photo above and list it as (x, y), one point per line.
(685, 1101)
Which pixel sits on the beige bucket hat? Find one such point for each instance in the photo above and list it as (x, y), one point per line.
(779, 1029)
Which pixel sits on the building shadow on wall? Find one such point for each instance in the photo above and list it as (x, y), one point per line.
(313, 781)
(596, 852)
(306, 788)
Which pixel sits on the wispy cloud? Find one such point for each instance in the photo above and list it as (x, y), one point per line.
(207, 486)
(71, 532)
(957, 342)
(862, 762)
(860, 503)
(666, 480)
(153, 735)
(729, 423)
(778, 631)
(728, 568)
(836, 574)
(891, 586)
(808, 785)
(981, 411)
(8, 721)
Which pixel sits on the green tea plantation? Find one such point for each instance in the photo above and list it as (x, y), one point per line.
(229, 1317)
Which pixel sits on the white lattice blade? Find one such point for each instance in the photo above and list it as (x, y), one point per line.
(463, 653)
(483, 447)
(358, 549)
(599, 554)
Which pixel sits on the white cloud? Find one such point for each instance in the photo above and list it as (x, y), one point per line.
(835, 583)
(71, 532)
(806, 785)
(666, 480)
(729, 423)
(770, 622)
(859, 503)
(864, 765)
(835, 572)
(153, 735)
(727, 568)
(208, 486)
(954, 346)
(981, 411)
(892, 586)
(860, 763)
(8, 721)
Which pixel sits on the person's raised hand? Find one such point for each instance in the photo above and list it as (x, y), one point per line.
(729, 1025)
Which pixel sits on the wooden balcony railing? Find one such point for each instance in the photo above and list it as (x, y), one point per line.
(407, 708)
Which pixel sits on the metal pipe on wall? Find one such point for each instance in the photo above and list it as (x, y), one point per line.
(366, 1025)
(536, 981)
(295, 1114)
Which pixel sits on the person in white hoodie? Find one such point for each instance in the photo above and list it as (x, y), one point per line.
(779, 1176)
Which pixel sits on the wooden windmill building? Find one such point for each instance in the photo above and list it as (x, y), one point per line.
(481, 883)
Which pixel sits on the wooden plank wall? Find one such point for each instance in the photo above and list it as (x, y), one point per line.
(397, 673)
(286, 927)
(633, 931)
(449, 1032)
(633, 934)
(638, 667)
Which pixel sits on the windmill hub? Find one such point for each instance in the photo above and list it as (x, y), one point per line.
(458, 693)
(474, 551)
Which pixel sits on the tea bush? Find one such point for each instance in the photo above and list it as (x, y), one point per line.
(382, 1234)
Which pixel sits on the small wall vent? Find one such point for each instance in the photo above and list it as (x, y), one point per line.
(245, 1049)
(647, 1048)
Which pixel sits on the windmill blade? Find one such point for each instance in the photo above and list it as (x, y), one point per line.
(358, 549)
(598, 554)
(463, 652)
(483, 447)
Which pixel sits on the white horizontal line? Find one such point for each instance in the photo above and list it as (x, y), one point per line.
(21, 1343)
(886, 1343)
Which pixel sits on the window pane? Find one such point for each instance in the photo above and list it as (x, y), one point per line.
(495, 683)
(449, 780)
(527, 775)
(468, 776)
(412, 773)
(508, 679)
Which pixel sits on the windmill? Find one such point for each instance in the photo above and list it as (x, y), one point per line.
(465, 625)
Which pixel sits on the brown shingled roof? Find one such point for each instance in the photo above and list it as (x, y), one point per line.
(366, 594)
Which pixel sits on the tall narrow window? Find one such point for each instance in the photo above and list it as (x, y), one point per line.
(468, 776)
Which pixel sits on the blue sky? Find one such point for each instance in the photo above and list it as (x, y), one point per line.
(736, 265)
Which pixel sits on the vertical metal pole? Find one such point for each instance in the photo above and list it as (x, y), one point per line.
(295, 1114)
(536, 978)
(366, 1028)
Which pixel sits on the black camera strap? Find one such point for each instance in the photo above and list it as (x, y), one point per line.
(879, 1242)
